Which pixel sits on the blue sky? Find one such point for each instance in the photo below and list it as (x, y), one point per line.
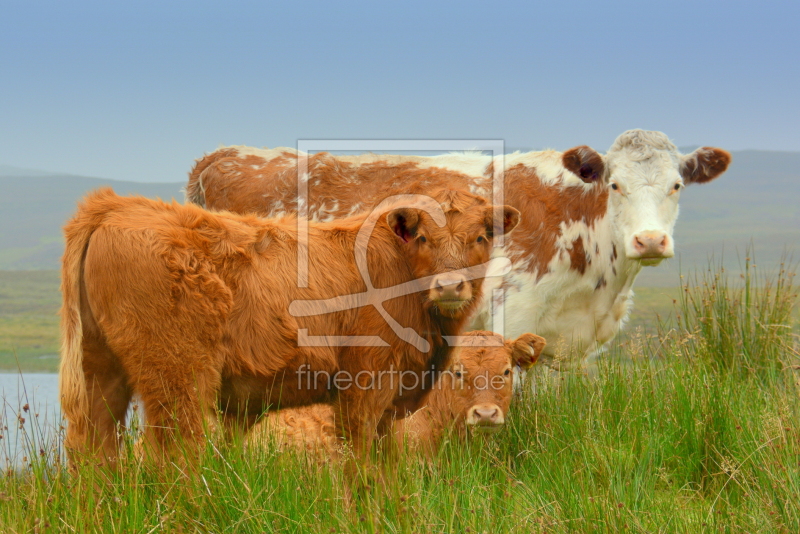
(137, 90)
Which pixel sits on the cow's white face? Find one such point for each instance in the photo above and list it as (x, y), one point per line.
(645, 175)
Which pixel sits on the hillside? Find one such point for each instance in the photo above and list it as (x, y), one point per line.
(757, 200)
(33, 209)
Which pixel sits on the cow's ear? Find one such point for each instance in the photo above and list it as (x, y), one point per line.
(704, 164)
(525, 350)
(404, 222)
(510, 220)
(585, 163)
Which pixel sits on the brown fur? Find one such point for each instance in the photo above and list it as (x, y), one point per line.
(704, 164)
(340, 188)
(313, 428)
(188, 309)
(585, 163)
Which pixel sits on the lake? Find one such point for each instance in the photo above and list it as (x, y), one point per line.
(33, 429)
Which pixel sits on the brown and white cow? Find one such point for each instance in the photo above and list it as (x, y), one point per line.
(590, 222)
(191, 311)
(473, 392)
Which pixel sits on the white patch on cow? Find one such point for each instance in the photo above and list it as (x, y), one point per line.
(548, 165)
(266, 153)
(355, 209)
(469, 163)
(325, 214)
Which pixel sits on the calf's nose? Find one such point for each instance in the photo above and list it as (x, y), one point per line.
(650, 244)
(485, 415)
(488, 415)
(450, 287)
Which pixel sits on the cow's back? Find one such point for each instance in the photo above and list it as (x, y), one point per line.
(265, 181)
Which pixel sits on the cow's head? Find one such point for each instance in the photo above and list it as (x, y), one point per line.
(479, 379)
(465, 240)
(646, 175)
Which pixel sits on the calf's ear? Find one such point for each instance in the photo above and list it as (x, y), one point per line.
(509, 221)
(704, 164)
(525, 350)
(404, 222)
(585, 163)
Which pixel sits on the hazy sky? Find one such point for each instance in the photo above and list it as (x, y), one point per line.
(137, 90)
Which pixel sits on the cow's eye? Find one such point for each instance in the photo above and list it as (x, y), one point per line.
(508, 372)
(480, 239)
(422, 239)
(614, 186)
(458, 374)
(677, 187)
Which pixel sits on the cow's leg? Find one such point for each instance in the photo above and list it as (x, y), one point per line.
(108, 397)
(179, 402)
(361, 406)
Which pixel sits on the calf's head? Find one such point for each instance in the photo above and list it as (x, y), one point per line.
(438, 251)
(645, 174)
(478, 382)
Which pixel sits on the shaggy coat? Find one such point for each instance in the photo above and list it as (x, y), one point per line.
(190, 310)
(474, 392)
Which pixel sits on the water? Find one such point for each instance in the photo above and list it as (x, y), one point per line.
(33, 430)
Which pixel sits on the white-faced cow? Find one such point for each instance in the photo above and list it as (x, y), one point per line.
(590, 222)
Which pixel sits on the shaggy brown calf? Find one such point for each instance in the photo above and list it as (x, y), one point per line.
(192, 311)
(474, 392)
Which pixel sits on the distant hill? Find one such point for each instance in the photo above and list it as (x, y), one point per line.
(757, 200)
(34, 208)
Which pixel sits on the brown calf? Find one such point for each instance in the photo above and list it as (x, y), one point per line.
(191, 310)
(473, 392)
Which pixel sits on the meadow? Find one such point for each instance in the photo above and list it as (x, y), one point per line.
(691, 425)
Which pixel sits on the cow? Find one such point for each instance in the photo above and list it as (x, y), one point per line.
(474, 392)
(590, 222)
(199, 312)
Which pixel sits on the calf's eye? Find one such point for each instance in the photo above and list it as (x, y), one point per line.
(422, 239)
(615, 187)
(677, 187)
(458, 374)
(480, 239)
(508, 372)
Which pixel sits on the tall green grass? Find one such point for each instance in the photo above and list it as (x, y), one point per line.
(700, 433)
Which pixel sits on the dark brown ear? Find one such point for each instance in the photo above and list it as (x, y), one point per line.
(704, 164)
(511, 218)
(404, 222)
(585, 163)
(525, 350)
